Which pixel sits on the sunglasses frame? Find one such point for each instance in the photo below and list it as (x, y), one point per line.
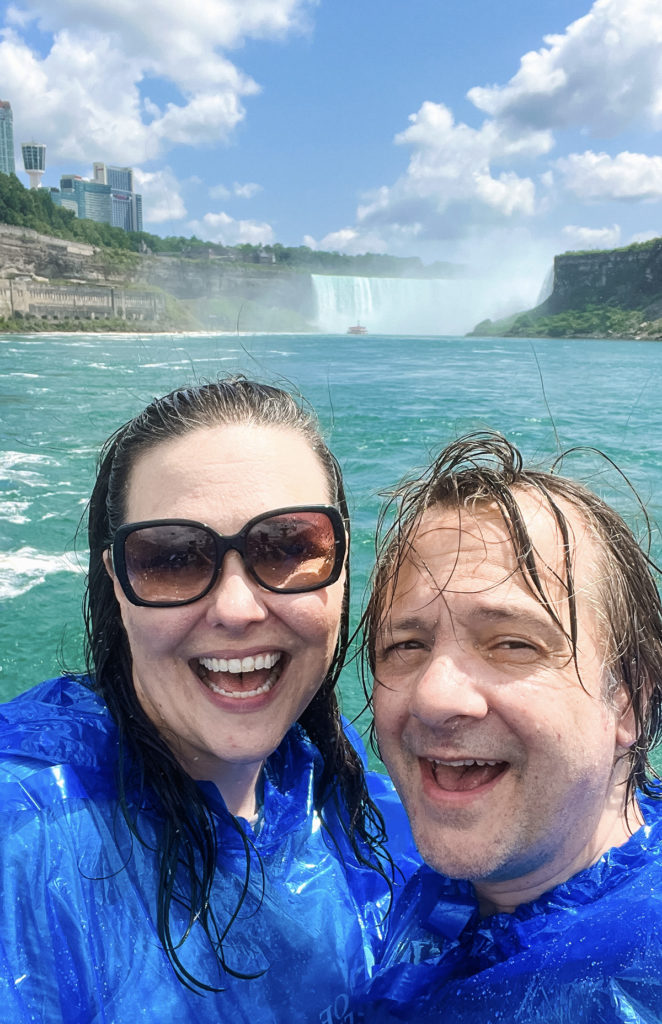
(223, 544)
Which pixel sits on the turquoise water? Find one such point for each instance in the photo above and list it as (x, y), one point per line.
(385, 403)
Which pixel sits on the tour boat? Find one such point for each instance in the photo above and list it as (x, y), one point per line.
(357, 329)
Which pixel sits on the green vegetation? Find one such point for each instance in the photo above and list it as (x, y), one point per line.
(34, 208)
(20, 324)
(592, 322)
(652, 243)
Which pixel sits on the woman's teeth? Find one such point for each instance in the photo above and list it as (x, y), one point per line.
(242, 694)
(237, 665)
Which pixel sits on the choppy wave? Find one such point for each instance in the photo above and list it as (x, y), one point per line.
(9, 459)
(22, 470)
(15, 510)
(26, 568)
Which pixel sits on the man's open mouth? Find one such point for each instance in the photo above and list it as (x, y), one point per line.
(241, 678)
(465, 774)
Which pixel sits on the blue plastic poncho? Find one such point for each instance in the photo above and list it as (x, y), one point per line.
(78, 941)
(586, 952)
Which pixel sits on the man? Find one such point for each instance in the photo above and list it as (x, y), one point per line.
(515, 638)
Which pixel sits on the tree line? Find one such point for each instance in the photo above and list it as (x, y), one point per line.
(35, 209)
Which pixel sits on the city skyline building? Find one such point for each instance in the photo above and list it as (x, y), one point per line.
(109, 198)
(7, 160)
(126, 204)
(89, 199)
(120, 178)
(34, 161)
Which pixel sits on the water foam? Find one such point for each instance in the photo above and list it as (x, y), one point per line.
(25, 568)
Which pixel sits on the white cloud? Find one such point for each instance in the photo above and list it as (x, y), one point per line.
(464, 182)
(627, 176)
(220, 227)
(603, 73)
(644, 236)
(453, 182)
(219, 192)
(592, 238)
(247, 190)
(162, 200)
(94, 93)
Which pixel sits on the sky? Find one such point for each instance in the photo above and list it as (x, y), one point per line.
(489, 135)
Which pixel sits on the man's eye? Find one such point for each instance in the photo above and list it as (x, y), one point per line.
(514, 649)
(399, 647)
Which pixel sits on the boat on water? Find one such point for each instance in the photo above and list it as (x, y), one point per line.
(357, 329)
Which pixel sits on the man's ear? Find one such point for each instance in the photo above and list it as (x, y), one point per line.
(626, 726)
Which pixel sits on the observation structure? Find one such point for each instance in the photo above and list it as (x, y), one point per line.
(34, 161)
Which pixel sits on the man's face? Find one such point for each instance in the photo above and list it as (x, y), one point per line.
(505, 762)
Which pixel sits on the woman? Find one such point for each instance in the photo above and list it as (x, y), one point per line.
(187, 833)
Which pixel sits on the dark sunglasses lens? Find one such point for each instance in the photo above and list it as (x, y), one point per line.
(292, 551)
(169, 563)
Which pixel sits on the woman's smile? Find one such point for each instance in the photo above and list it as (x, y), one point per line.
(242, 677)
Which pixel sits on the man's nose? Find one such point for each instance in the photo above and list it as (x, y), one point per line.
(450, 687)
(236, 599)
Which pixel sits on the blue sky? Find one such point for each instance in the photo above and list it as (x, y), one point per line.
(492, 135)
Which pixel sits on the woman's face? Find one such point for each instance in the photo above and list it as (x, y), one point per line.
(223, 476)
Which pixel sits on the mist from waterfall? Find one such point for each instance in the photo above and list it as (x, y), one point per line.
(385, 305)
(418, 306)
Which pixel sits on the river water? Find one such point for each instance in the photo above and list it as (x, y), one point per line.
(385, 402)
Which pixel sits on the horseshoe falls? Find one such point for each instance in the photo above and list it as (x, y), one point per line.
(385, 305)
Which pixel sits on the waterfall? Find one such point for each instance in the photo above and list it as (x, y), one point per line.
(385, 305)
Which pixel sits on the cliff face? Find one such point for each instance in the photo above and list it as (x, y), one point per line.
(28, 252)
(25, 252)
(626, 278)
(217, 279)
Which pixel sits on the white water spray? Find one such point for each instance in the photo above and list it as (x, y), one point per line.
(384, 305)
(436, 306)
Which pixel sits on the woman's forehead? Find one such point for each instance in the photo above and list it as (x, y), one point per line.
(242, 468)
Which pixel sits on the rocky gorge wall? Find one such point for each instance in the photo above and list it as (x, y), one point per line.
(24, 252)
(628, 278)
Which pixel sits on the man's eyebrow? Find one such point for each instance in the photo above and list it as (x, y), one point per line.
(518, 616)
(542, 623)
(406, 623)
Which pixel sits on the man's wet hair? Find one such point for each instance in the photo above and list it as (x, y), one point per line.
(484, 469)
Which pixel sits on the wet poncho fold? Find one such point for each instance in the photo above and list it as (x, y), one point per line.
(78, 941)
(587, 952)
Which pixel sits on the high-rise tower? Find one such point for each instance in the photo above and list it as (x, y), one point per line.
(34, 161)
(127, 205)
(7, 164)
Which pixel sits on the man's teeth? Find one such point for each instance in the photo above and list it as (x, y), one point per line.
(238, 665)
(467, 763)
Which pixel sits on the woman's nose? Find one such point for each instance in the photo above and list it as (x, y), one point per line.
(450, 687)
(236, 600)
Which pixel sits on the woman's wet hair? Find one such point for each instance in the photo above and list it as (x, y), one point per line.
(149, 774)
(485, 470)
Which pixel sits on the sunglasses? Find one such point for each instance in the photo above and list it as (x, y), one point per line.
(163, 563)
